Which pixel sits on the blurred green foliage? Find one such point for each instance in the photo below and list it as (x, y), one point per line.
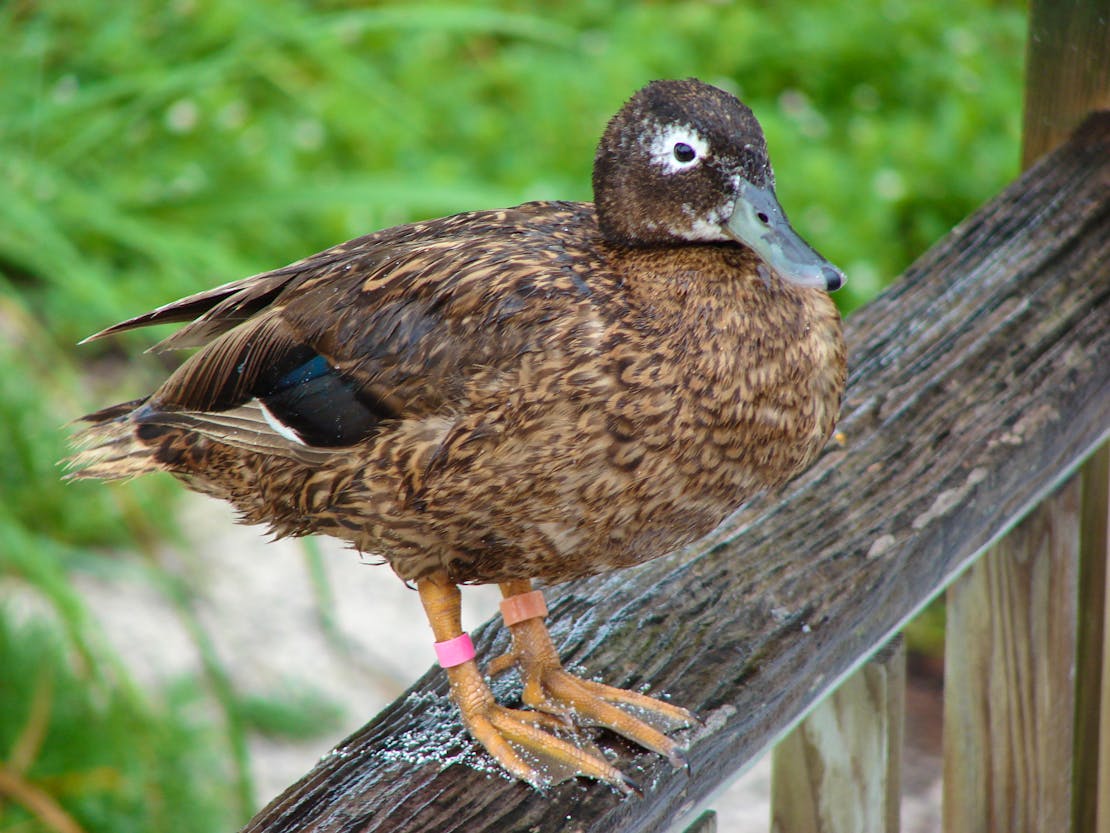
(102, 754)
(150, 149)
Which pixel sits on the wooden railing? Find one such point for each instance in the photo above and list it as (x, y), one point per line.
(980, 382)
(978, 399)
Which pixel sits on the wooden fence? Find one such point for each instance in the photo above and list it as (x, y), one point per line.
(978, 401)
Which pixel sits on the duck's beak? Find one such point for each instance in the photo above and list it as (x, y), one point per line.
(759, 222)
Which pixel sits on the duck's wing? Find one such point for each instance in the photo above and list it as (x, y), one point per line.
(321, 353)
(215, 311)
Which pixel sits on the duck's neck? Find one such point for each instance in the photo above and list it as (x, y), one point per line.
(717, 307)
(714, 287)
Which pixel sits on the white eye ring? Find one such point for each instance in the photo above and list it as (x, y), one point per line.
(676, 147)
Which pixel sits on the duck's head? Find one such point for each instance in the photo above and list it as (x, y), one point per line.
(685, 162)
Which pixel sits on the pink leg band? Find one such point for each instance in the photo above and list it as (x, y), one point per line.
(522, 607)
(454, 651)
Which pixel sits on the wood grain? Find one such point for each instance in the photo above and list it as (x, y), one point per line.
(1067, 71)
(979, 381)
(1017, 756)
(1009, 697)
(839, 770)
(1092, 683)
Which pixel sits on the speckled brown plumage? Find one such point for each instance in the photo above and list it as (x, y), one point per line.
(563, 406)
(515, 394)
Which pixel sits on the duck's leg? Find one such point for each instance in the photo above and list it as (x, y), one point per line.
(516, 739)
(550, 688)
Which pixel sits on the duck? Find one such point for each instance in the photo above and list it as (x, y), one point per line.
(536, 393)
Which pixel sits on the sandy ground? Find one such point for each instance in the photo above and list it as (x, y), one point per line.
(255, 599)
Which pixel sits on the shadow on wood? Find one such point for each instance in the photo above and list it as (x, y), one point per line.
(978, 382)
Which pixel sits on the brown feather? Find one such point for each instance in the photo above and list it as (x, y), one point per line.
(541, 400)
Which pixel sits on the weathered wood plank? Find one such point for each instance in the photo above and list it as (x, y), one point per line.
(1092, 679)
(1013, 757)
(1102, 808)
(840, 769)
(1067, 71)
(1009, 678)
(978, 381)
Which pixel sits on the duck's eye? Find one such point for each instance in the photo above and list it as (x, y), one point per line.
(676, 147)
(684, 153)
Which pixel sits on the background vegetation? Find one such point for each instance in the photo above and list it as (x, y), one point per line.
(150, 149)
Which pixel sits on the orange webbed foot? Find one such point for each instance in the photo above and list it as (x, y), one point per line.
(533, 746)
(550, 688)
(540, 747)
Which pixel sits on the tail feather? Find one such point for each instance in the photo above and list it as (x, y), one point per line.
(109, 448)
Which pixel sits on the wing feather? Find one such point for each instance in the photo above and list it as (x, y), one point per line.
(392, 326)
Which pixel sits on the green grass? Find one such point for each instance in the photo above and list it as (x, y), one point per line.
(105, 755)
(152, 149)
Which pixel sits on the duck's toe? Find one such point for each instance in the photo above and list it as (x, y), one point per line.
(521, 743)
(535, 746)
(641, 719)
(551, 689)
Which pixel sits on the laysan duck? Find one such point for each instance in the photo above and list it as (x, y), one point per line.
(541, 392)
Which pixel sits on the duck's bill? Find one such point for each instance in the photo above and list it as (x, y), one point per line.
(759, 222)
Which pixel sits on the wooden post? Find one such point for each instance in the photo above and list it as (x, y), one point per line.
(1021, 731)
(1092, 703)
(1067, 72)
(840, 770)
(1009, 699)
